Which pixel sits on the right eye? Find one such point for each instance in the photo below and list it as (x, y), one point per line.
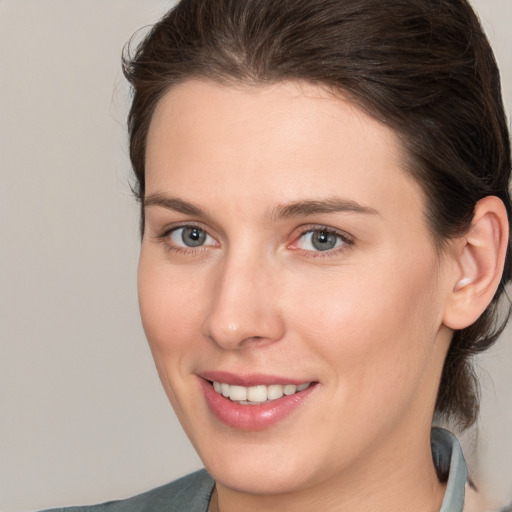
(189, 237)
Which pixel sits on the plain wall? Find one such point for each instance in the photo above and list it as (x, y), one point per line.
(83, 418)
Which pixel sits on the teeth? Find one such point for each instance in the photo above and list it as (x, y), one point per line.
(224, 389)
(238, 393)
(274, 392)
(289, 389)
(257, 394)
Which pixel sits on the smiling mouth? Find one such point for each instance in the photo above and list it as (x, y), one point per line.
(255, 395)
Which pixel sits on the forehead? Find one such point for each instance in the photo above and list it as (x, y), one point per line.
(285, 108)
(289, 138)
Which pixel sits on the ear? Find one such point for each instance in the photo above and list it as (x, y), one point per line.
(479, 257)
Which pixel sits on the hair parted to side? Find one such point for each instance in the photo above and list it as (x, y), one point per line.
(423, 67)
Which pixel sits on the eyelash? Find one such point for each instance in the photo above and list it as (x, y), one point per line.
(346, 240)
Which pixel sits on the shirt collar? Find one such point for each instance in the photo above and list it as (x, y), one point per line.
(448, 458)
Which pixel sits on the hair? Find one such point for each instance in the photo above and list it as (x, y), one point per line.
(423, 67)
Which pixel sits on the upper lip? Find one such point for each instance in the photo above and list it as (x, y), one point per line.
(247, 380)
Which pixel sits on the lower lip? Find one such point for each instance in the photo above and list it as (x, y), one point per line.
(252, 417)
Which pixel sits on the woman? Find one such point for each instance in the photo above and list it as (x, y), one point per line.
(325, 239)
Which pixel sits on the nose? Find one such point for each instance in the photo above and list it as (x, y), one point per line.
(244, 307)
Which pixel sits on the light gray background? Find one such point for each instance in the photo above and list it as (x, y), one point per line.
(82, 415)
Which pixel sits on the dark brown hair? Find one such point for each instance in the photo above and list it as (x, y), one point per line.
(423, 67)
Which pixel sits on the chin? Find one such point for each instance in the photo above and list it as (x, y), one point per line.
(258, 479)
(261, 468)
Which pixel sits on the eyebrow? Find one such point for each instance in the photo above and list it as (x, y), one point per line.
(280, 211)
(173, 203)
(330, 205)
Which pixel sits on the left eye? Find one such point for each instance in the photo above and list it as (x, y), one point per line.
(320, 240)
(190, 236)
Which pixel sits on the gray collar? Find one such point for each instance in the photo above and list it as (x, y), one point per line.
(449, 461)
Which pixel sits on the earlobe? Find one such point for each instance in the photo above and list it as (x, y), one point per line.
(480, 258)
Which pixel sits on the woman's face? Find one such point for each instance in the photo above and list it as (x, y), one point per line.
(285, 246)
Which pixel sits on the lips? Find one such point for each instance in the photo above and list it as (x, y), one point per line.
(248, 403)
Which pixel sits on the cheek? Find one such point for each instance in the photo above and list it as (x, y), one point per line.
(376, 328)
(170, 306)
(378, 364)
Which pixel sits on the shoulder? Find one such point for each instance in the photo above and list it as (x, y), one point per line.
(190, 493)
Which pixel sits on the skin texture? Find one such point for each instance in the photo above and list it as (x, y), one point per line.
(365, 320)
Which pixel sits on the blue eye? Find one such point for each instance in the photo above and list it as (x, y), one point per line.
(190, 236)
(320, 240)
